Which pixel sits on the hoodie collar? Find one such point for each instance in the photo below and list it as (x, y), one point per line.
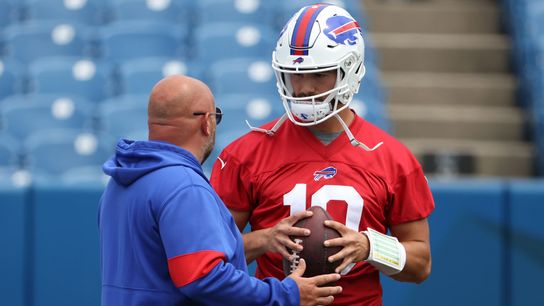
(134, 159)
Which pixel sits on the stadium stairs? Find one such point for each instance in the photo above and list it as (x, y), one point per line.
(451, 93)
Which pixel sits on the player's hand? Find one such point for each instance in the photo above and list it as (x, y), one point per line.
(355, 245)
(278, 236)
(312, 289)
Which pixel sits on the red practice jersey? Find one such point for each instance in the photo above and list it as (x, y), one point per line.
(275, 176)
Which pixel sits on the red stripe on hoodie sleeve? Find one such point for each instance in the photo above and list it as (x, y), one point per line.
(187, 268)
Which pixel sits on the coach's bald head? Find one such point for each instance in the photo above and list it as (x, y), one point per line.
(172, 103)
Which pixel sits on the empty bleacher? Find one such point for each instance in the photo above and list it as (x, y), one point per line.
(108, 52)
(452, 90)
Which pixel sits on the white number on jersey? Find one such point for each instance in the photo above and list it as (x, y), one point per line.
(296, 199)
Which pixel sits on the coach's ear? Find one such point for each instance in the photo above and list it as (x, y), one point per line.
(206, 124)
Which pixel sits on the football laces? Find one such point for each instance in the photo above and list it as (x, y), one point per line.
(296, 258)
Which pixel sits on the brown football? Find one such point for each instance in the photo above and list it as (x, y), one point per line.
(314, 253)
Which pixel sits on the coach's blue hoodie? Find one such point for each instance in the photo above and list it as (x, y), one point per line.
(167, 239)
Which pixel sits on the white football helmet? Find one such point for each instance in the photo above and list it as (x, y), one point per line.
(319, 37)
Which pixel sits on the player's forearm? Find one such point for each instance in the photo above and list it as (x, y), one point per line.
(255, 244)
(418, 262)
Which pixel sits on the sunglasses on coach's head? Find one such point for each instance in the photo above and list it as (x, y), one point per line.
(218, 114)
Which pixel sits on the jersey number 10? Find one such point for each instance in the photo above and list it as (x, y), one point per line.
(296, 199)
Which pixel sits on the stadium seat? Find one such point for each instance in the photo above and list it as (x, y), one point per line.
(11, 78)
(54, 152)
(253, 11)
(124, 117)
(84, 175)
(74, 76)
(24, 115)
(289, 8)
(175, 12)
(6, 13)
(257, 109)
(121, 41)
(84, 11)
(217, 41)
(243, 75)
(9, 153)
(33, 40)
(138, 76)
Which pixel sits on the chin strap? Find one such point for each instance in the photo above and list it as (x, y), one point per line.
(354, 142)
(270, 132)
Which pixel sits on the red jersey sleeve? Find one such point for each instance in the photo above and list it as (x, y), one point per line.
(412, 199)
(230, 180)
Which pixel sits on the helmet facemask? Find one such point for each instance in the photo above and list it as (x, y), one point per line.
(312, 110)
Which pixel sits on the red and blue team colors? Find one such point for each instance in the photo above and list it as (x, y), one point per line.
(167, 239)
(273, 177)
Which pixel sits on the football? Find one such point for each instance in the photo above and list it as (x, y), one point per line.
(314, 253)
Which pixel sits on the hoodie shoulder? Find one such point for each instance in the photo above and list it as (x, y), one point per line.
(136, 159)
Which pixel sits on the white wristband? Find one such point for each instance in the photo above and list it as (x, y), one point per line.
(386, 253)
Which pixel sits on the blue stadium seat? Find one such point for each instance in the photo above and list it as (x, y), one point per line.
(75, 76)
(175, 12)
(9, 153)
(254, 11)
(121, 41)
(217, 41)
(11, 78)
(257, 109)
(243, 75)
(54, 152)
(84, 11)
(6, 13)
(33, 40)
(138, 76)
(124, 117)
(84, 175)
(24, 115)
(289, 8)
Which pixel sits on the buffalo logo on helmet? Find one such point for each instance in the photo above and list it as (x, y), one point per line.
(326, 173)
(342, 30)
(298, 60)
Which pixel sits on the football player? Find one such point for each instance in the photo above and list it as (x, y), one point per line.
(326, 155)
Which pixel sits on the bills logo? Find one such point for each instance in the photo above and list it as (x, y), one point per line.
(298, 60)
(342, 30)
(326, 173)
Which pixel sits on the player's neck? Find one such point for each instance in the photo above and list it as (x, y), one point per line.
(332, 125)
